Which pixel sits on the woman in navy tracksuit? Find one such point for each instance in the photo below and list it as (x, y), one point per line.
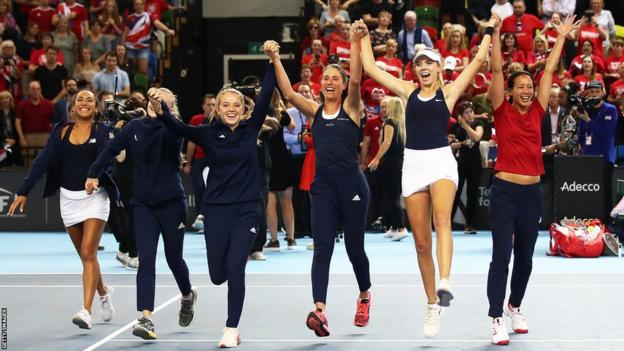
(231, 207)
(339, 193)
(159, 206)
(70, 150)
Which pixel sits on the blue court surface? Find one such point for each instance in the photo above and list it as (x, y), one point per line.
(571, 304)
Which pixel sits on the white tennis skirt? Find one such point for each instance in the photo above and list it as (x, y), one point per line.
(421, 168)
(78, 206)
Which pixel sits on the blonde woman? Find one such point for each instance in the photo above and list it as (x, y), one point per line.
(231, 198)
(456, 47)
(388, 162)
(429, 173)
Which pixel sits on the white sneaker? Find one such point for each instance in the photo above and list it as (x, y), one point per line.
(258, 256)
(230, 338)
(82, 319)
(518, 322)
(310, 246)
(432, 320)
(199, 223)
(400, 235)
(107, 310)
(499, 332)
(390, 233)
(133, 263)
(122, 258)
(444, 292)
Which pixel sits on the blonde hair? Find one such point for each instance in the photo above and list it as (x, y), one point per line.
(246, 101)
(175, 112)
(456, 28)
(542, 38)
(396, 112)
(6, 93)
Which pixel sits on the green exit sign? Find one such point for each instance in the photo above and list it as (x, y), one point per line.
(254, 47)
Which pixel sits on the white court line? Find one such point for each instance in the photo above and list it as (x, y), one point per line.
(129, 272)
(391, 286)
(428, 341)
(129, 325)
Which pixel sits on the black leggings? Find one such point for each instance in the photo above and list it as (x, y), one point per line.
(469, 172)
(390, 171)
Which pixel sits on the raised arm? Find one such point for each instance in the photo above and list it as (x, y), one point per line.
(263, 104)
(563, 29)
(192, 133)
(398, 86)
(307, 107)
(453, 90)
(353, 100)
(497, 87)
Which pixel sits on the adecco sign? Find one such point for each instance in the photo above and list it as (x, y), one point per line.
(579, 187)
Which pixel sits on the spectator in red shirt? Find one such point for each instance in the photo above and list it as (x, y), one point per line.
(577, 63)
(391, 63)
(306, 78)
(342, 48)
(536, 61)
(156, 8)
(449, 74)
(96, 6)
(372, 93)
(615, 60)
(617, 88)
(590, 31)
(112, 22)
(456, 47)
(44, 15)
(588, 73)
(196, 156)
(38, 57)
(509, 47)
(550, 32)
(523, 25)
(33, 118)
(314, 32)
(335, 35)
(481, 82)
(317, 60)
(78, 15)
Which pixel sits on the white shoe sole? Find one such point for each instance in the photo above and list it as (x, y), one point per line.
(228, 346)
(399, 237)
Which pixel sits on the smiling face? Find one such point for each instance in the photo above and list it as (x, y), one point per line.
(510, 41)
(588, 64)
(85, 105)
(455, 40)
(333, 84)
(427, 71)
(539, 46)
(384, 106)
(230, 108)
(305, 91)
(523, 91)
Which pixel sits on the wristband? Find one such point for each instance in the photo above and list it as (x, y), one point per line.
(489, 30)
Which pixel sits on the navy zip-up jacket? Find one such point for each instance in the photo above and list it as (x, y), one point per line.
(156, 154)
(601, 129)
(231, 155)
(49, 163)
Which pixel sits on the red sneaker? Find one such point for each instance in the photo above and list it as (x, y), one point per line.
(362, 311)
(317, 321)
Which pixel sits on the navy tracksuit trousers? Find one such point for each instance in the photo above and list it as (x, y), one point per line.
(338, 198)
(515, 212)
(150, 221)
(230, 231)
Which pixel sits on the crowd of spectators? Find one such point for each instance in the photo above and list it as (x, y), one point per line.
(50, 48)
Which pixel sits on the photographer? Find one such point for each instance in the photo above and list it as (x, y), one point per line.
(597, 124)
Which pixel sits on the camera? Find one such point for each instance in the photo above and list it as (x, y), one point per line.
(582, 103)
(132, 108)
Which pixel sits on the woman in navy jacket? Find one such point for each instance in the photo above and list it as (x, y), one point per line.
(231, 207)
(159, 206)
(69, 152)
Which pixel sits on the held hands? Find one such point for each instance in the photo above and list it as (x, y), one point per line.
(358, 30)
(91, 185)
(495, 21)
(271, 49)
(19, 201)
(567, 26)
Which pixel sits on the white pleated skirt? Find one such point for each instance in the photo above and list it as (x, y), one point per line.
(421, 168)
(78, 206)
